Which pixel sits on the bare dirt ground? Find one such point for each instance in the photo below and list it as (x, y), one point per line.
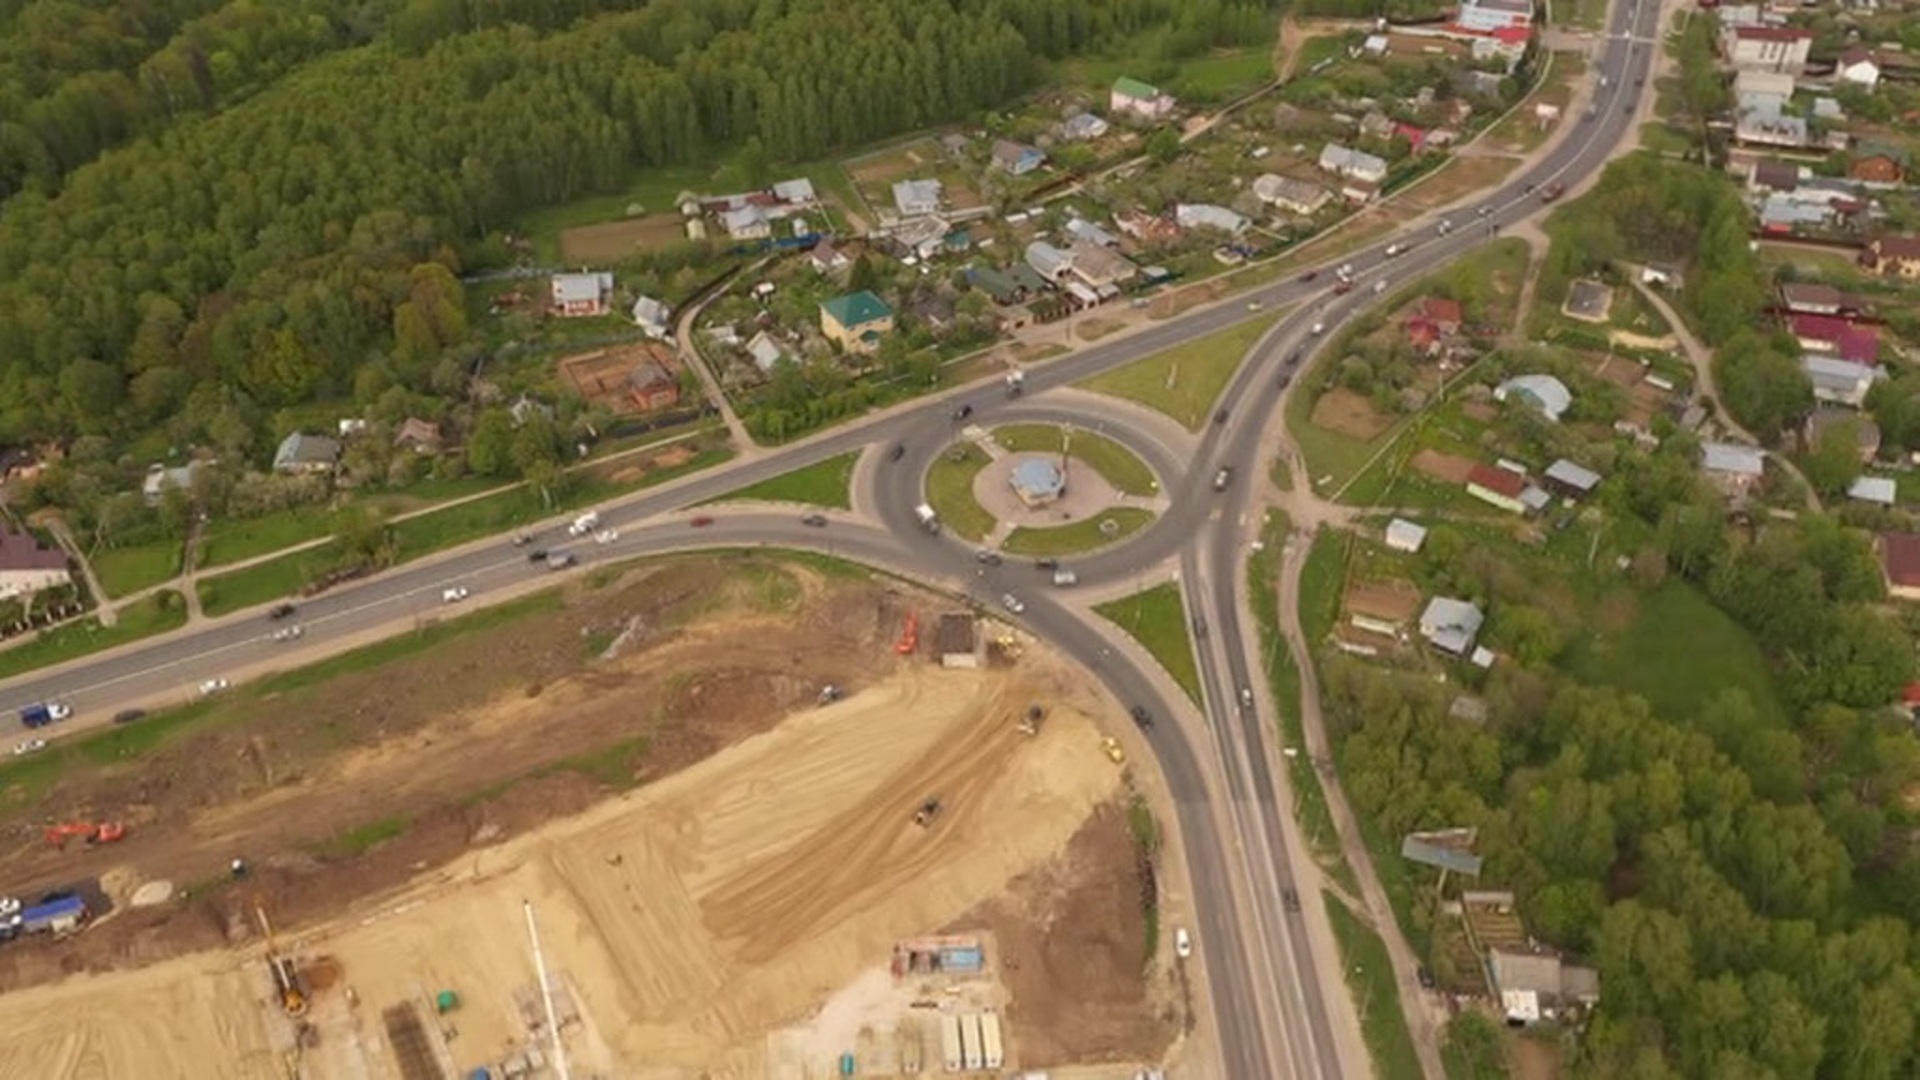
(612, 241)
(1457, 179)
(1346, 413)
(1444, 467)
(758, 867)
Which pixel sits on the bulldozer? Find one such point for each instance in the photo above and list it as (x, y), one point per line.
(1114, 753)
(104, 832)
(929, 810)
(1030, 723)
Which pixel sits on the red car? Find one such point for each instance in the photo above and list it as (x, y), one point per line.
(702, 521)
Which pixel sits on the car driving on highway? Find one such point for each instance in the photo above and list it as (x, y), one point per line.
(1142, 719)
(817, 521)
(453, 594)
(281, 611)
(1222, 478)
(1012, 603)
(1182, 943)
(288, 633)
(213, 686)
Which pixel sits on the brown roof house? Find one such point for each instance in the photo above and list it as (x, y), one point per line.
(27, 566)
(1900, 562)
(653, 385)
(422, 435)
(1500, 487)
(1893, 256)
(1876, 164)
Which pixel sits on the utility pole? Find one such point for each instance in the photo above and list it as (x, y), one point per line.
(546, 995)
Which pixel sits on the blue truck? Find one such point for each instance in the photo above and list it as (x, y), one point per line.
(43, 713)
(59, 913)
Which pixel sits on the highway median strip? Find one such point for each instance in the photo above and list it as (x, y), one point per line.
(1185, 381)
(1157, 619)
(825, 483)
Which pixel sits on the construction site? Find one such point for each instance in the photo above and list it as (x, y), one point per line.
(827, 854)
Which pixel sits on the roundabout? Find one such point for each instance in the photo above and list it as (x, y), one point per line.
(1042, 489)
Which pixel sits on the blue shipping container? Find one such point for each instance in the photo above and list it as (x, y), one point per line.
(48, 916)
(846, 1064)
(968, 958)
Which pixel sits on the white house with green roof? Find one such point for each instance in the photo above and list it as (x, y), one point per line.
(856, 321)
(1133, 96)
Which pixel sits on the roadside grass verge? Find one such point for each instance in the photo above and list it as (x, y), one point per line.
(1185, 381)
(1081, 536)
(153, 614)
(1146, 838)
(129, 569)
(388, 650)
(950, 491)
(1283, 678)
(427, 533)
(1474, 1048)
(1376, 998)
(827, 483)
(1116, 464)
(1321, 581)
(1157, 619)
(236, 539)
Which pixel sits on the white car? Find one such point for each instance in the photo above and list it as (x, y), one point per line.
(1182, 943)
(28, 747)
(289, 633)
(1012, 603)
(214, 686)
(606, 536)
(1318, 329)
(1446, 226)
(59, 710)
(454, 594)
(1380, 286)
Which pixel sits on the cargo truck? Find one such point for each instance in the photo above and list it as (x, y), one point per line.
(951, 1057)
(61, 913)
(584, 524)
(43, 713)
(929, 520)
(970, 1041)
(991, 1053)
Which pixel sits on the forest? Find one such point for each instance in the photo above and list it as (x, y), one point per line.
(220, 211)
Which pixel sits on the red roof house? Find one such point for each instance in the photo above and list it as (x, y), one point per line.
(1443, 313)
(1900, 561)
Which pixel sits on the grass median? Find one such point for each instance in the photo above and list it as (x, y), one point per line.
(1157, 619)
(827, 483)
(1185, 381)
(1102, 529)
(1116, 464)
(950, 491)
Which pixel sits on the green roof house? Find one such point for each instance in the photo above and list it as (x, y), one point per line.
(1133, 96)
(856, 321)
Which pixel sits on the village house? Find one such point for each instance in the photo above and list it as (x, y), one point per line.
(1840, 382)
(1878, 490)
(1858, 65)
(1766, 48)
(1099, 266)
(1002, 288)
(856, 322)
(1048, 261)
(1493, 16)
(1531, 983)
(1772, 174)
(1499, 487)
(1446, 315)
(917, 198)
(420, 436)
(1352, 164)
(1812, 298)
(1133, 96)
(27, 566)
(652, 317)
(933, 309)
(1209, 216)
(1082, 127)
(1878, 164)
(1543, 392)
(1893, 256)
(1406, 536)
(1081, 229)
(1018, 159)
(1762, 91)
(1900, 562)
(1732, 468)
(576, 296)
(161, 478)
(748, 222)
(1570, 480)
(652, 384)
(1146, 228)
(797, 193)
(1291, 196)
(1451, 625)
(1858, 342)
(303, 453)
(1824, 420)
(765, 352)
(826, 258)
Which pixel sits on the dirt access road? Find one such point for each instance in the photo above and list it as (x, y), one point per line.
(684, 919)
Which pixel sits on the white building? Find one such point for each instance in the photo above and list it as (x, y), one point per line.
(653, 317)
(1352, 164)
(1291, 196)
(916, 198)
(1209, 216)
(1767, 48)
(1404, 535)
(1451, 625)
(1492, 16)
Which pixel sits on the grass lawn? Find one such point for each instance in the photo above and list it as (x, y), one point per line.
(1083, 535)
(1115, 463)
(130, 569)
(1322, 580)
(1157, 619)
(950, 492)
(1185, 381)
(1679, 652)
(230, 541)
(1522, 132)
(155, 614)
(1283, 678)
(824, 484)
(274, 579)
(1376, 998)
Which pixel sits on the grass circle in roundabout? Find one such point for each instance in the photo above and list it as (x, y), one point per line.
(1095, 494)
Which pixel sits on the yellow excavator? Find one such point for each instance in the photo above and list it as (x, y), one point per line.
(286, 979)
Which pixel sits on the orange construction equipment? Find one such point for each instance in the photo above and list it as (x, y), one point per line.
(105, 832)
(910, 636)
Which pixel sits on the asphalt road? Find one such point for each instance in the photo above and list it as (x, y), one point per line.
(1258, 997)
